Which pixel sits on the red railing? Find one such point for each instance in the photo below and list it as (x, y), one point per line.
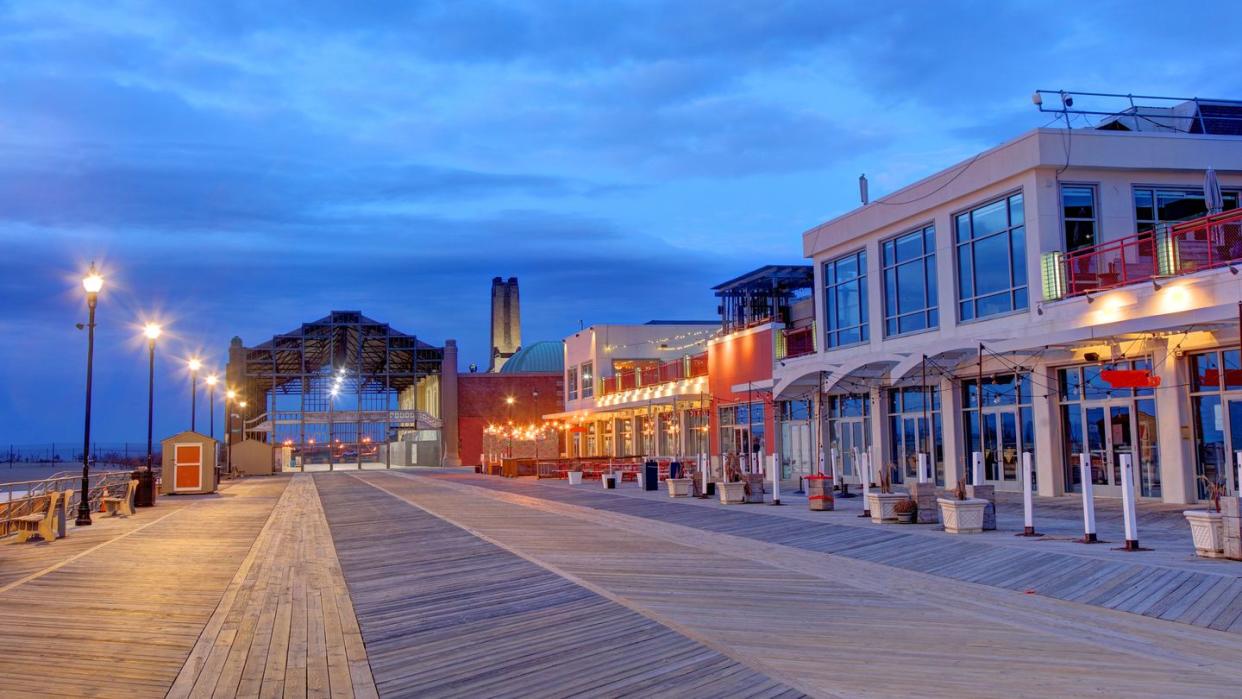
(1204, 243)
(665, 372)
(1182, 248)
(698, 365)
(798, 342)
(1108, 265)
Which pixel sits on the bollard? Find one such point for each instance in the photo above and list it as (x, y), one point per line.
(1127, 502)
(776, 480)
(923, 467)
(976, 468)
(1028, 504)
(1088, 500)
(864, 473)
(1237, 483)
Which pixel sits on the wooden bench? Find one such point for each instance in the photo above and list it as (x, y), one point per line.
(42, 524)
(122, 505)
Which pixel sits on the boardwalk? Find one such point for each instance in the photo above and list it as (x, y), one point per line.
(414, 584)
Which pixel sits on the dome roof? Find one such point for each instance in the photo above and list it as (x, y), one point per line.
(546, 356)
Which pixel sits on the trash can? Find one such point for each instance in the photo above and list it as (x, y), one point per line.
(610, 481)
(651, 476)
(144, 494)
(819, 492)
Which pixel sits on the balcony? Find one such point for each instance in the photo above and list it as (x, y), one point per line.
(666, 372)
(1168, 251)
(795, 342)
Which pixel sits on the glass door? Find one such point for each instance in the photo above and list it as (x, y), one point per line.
(1110, 430)
(1229, 461)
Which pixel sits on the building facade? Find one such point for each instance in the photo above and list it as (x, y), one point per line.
(1039, 297)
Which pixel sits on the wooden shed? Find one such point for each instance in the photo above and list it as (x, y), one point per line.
(189, 464)
(252, 458)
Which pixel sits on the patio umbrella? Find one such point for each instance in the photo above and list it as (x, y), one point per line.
(1211, 192)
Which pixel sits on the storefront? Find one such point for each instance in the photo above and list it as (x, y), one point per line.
(914, 427)
(1106, 422)
(1007, 426)
(1216, 403)
(849, 430)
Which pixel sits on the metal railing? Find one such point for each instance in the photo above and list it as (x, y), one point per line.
(795, 342)
(690, 367)
(1170, 250)
(21, 498)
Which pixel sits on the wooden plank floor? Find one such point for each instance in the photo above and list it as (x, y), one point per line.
(445, 614)
(837, 625)
(119, 619)
(1209, 596)
(285, 626)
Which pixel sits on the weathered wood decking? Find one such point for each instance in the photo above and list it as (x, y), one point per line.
(413, 585)
(1210, 597)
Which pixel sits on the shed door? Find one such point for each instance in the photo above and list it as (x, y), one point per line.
(188, 467)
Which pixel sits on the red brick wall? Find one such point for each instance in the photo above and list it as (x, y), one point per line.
(481, 400)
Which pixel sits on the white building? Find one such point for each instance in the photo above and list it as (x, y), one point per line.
(1052, 252)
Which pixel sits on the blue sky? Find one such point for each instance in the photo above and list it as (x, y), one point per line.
(242, 167)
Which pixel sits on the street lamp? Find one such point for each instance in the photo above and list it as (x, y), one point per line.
(331, 416)
(211, 386)
(145, 479)
(92, 284)
(195, 365)
(229, 397)
(509, 401)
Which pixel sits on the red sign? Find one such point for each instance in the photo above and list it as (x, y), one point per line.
(1130, 378)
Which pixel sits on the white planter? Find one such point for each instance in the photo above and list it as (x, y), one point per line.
(678, 487)
(882, 506)
(575, 477)
(732, 493)
(962, 516)
(1208, 531)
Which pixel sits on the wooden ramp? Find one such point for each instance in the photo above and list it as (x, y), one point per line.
(445, 614)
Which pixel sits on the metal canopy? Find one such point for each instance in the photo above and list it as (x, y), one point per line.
(369, 351)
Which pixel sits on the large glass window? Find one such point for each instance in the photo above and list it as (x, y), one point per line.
(588, 379)
(1105, 422)
(912, 410)
(571, 383)
(1007, 424)
(849, 429)
(991, 259)
(1078, 215)
(910, 282)
(845, 300)
(741, 435)
(1153, 205)
(1216, 399)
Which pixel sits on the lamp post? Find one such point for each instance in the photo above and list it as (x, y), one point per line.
(146, 480)
(211, 390)
(331, 417)
(509, 400)
(229, 396)
(92, 284)
(195, 365)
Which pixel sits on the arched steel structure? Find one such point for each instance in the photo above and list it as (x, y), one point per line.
(377, 373)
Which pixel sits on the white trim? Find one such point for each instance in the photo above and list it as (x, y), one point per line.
(201, 459)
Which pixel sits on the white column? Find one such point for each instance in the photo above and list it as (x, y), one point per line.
(924, 463)
(1127, 502)
(1028, 504)
(976, 461)
(951, 431)
(1045, 411)
(1177, 457)
(864, 472)
(1088, 498)
(1237, 482)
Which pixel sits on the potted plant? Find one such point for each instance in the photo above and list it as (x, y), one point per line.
(960, 514)
(575, 476)
(679, 487)
(881, 504)
(733, 489)
(1207, 527)
(906, 511)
